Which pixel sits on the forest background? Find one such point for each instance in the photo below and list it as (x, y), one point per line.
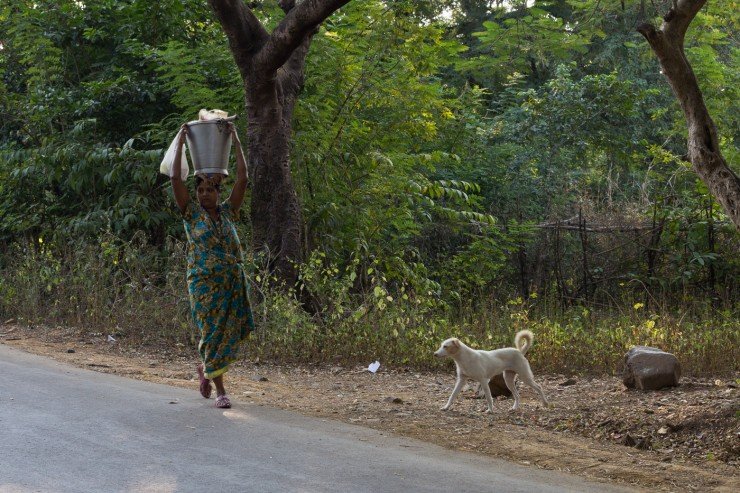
(464, 167)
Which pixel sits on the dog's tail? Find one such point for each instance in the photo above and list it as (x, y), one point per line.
(528, 337)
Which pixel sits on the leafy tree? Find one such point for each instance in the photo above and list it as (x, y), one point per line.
(418, 123)
(703, 142)
(522, 39)
(272, 68)
(78, 80)
(371, 146)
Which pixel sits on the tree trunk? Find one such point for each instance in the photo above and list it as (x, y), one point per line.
(703, 145)
(275, 211)
(272, 68)
(277, 219)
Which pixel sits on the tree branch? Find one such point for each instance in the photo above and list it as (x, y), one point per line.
(703, 145)
(244, 31)
(291, 73)
(652, 35)
(678, 18)
(300, 21)
(286, 5)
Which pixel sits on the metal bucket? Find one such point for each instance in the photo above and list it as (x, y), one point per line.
(209, 143)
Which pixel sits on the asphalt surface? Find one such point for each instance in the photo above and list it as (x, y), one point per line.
(65, 429)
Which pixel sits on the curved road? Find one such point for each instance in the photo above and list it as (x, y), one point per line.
(66, 429)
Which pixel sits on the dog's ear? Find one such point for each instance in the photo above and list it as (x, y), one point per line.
(455, 346)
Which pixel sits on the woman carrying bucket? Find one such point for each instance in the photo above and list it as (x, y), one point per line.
(217, 283)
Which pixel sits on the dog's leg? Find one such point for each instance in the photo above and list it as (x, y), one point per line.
(479, 394)
(455, 391)
(528, 378)
(487, 392)
(510, 379)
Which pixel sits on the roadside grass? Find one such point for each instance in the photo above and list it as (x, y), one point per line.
(136, 292)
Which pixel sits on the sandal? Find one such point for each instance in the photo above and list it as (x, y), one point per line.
(205, 384)
(223, 402)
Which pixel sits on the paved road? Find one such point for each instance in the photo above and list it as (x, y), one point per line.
(64, 429)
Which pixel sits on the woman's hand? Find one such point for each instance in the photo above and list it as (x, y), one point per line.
(234, 135)
(178, 187)
(240, 185)
(183, 134)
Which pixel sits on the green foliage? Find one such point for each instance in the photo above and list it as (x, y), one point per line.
(117, 287)
(714, 53)
(201, 76)
(80, 80)
(435, 146)
(521, 39)
(367, 161)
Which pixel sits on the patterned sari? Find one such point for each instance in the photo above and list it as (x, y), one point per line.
(217, 285)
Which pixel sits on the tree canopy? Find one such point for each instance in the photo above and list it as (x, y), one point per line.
(464, 149)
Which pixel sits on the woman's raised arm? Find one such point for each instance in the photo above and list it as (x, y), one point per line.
(240, 185)
(182, 197)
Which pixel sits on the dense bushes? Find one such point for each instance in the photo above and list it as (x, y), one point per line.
(448, 165)
(136, 292)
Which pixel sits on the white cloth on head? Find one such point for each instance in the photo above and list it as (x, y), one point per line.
(208, 115)
(169, 159)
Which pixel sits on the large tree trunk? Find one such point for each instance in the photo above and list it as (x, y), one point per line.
(272, 68)
(277, 219)
(275, 211)
(703, 145)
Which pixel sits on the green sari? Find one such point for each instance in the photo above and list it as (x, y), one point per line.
(217, 285)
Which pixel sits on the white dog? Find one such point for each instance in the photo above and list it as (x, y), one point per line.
(484, 365)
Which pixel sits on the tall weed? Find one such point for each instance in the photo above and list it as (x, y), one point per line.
(139, 293)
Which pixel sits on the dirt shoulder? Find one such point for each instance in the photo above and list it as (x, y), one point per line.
(683, 439)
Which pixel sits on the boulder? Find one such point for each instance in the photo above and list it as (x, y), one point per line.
(649, 368)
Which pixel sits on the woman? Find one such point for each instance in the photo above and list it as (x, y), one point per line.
(217, 283)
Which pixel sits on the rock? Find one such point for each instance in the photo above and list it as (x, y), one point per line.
(498, 386)
(394, 400)
(649, 368)
(259, 378)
